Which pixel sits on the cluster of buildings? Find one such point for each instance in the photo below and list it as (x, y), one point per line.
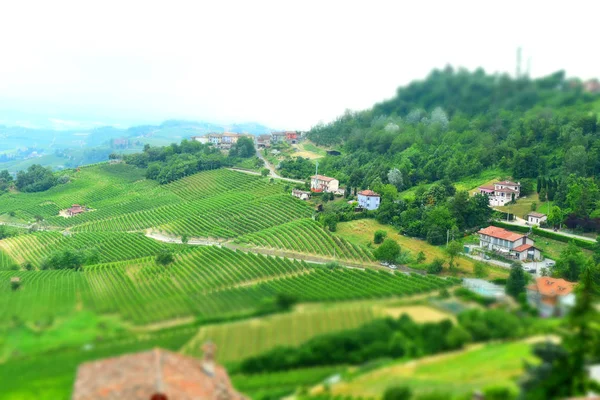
(367, 199)
(222, 140)
(226, 139)
(501, 193)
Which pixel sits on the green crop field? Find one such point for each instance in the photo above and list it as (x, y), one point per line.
(307, 236)
(255, 336)
(122, 298)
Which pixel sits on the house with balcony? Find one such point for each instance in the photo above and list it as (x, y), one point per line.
(321, 183)
(501, 193)
(368, 199)
(510, 244)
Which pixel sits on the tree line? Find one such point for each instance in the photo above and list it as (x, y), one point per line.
(170, 163)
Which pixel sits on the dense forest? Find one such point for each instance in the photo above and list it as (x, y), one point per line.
(456, 124)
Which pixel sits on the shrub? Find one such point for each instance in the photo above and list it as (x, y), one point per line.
(388, 251)
(436, 266)
(15, 284)
(458, 337)
(480, 270)
(379, 236)
(498, 393)
(397, 393)
(421, 257)
(164, 257)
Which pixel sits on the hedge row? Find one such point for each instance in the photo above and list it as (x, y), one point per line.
(548, 234)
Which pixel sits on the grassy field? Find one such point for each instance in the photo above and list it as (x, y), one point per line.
(361, 232)
(239, 340)
(468, 184)
(523, 206)
(308, 150)
(475, 368)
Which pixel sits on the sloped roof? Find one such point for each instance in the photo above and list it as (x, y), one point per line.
(140, 376)
(487, 187)
(508, 183)
(522, 248)
(536, 214)
(552, 287)
(500, 233)
(323, 178)
(368, 193)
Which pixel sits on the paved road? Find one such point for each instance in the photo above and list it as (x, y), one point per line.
(272, 172)
(522, 222)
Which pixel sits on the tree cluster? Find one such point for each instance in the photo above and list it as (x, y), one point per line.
(35, 179)
(169, 163)
(396, 338)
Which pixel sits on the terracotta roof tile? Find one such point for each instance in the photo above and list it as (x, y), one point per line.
(500, 233)
(552, 287)
(522, 248)
(322, 178)
(368, 193)
(142, 375)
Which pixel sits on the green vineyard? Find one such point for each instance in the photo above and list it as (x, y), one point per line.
(35, 247)
(203, 282)
(259, 335)
(306, 236)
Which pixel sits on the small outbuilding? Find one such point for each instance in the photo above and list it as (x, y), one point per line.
(536, 218)
(75, 209)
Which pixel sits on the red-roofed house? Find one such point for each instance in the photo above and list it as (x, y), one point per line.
(501, 192)
(321, 183)
(368, 199)
(509, 243)
(75, 209)
(551, 296)
(154, 374)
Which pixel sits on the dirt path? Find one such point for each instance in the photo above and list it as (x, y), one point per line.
(292, 255)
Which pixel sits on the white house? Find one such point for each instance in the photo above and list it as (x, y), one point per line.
(368, 199)
(509, 243)
(320, 183)
(501, 192)
(536, 218)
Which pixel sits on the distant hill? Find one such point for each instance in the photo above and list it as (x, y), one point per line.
(21, 146)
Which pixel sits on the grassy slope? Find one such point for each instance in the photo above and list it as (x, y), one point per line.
(361, 232)
(459, 373)
(304, 322)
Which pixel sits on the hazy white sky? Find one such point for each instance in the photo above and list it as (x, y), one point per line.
(281, 63)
